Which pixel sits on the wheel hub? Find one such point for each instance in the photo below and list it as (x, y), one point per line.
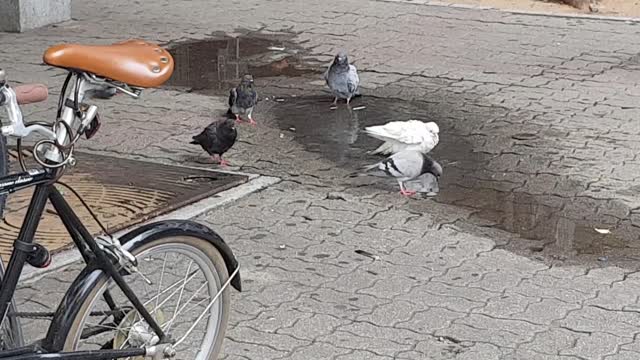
(133, 331)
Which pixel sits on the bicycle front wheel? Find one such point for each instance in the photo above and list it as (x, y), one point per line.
(11, 335)
(180, 276)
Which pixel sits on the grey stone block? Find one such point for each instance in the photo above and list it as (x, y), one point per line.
(22, 15)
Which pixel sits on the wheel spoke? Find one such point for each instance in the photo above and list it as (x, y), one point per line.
(164, 263)
(178, 312)
(191, 276)
(181, 292)
(226, 284)
(185, 282)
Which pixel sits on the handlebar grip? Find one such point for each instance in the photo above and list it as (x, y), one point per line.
(31, 93)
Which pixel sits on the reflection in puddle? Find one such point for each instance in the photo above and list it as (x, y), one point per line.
(566, 224)
(556, 223)
(334, 133)
(218, 63)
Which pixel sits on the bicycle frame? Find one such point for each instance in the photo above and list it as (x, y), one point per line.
(44, 182)
(88, 247)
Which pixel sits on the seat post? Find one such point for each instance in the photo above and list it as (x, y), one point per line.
(68, 116)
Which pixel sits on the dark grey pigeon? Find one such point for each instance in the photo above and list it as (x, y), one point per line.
(342, 78)
(243, 99)
(217, 138)
(405, 166)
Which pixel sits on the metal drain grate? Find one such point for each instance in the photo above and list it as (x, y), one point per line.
(121, 192)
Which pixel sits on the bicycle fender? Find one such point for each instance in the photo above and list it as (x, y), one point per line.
(153, 231)
(84, 283)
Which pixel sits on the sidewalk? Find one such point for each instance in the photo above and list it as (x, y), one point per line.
(444, 287)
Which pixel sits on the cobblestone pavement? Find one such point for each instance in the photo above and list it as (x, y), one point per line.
(543, 105)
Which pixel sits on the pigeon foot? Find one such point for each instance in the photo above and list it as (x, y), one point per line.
(407, 192)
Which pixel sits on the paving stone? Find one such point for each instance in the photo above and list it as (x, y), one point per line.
(490, 75)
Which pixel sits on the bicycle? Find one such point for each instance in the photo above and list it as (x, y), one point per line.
(138, 317)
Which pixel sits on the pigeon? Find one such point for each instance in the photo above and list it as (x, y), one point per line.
(405, 166)
(342, 78)
(101, 93)
(217, 138)
(425, 183)
(405, 135)
(243, 99)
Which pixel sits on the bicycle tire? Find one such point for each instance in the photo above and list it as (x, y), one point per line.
(11, 335)
(201, 244)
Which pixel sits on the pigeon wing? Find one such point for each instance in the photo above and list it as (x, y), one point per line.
(232, 97)
(226, 136)
(401, 132)
(406, 165)
(353, 80)
(326, 73)
(246, 98)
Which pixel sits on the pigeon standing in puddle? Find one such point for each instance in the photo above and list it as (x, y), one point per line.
(405, 166)
(242, 99)
(217, 138)
(342, 78)
(405, 135)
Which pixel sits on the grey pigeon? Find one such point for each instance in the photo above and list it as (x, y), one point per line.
(342, 78)
(425, 183)
(243, 99)
(405, 166)
(217, 138)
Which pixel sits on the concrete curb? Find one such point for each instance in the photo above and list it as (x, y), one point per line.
(628, 20)
(255, 183)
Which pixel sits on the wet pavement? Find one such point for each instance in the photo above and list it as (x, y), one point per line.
(500, 187)
(213, 65)
(553, 223)
(538, 140)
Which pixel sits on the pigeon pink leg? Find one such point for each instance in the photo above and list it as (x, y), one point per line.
(251, 121)
(217, 158)
(238, 120)
(406, 192)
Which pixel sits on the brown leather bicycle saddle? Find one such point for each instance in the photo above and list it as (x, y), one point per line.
(133, 62)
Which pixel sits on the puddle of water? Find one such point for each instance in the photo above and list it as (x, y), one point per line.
(216, 64)
(556, 224)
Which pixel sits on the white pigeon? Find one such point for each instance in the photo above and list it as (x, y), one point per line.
(405, 135)
(405, 166)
